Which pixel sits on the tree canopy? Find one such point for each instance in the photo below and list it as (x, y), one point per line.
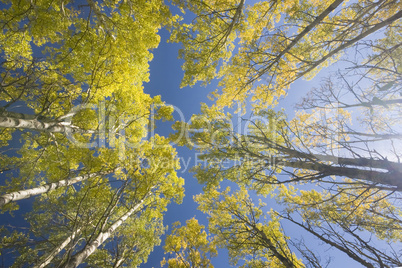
(77, 133)
(78, 69)
(259, 50)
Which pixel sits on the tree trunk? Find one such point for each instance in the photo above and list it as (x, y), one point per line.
(392, 179)
(267, 242)
(373, 103)
(358, 168)
(375, 136)
(40, 125)
(24, 194)
(5, 113)
(340, 247)
(49, 257)
(352, 41)
(356, 162)
(355, 168)
(90, 248)
(119, 262)
(303, 33)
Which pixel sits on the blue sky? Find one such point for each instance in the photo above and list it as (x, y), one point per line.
(165, 78)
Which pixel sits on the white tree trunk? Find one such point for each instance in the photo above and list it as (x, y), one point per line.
(5, 113)
(119, 262)
(49, 257)
(40, 125)
(90, 248)
(24, 194)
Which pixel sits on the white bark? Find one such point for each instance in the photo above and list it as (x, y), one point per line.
(49, 257)
(119, 262)
(5, 113)
(24, 194)
(40, 125)
(90, 248)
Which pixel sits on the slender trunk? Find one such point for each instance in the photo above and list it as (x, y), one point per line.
(384, 178)
(299, 156)
(303, 33)
(234, 21)
(49, 257)
(358, 162)
(366, 169)
(24, 194)
(270, 245)
(352, 41)
(346, 250)
(40, 125)
(376, 136)
(90, 248)
(309, 27)
(119, 262)
(373, 103)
